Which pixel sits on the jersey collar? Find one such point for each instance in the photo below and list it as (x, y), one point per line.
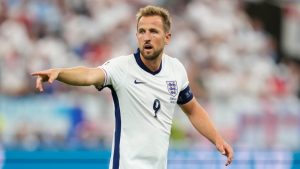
(139, 61)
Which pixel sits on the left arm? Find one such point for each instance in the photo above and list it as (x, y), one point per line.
(200, 120)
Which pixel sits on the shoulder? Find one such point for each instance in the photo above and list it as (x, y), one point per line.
(174, 62)
(118, 61)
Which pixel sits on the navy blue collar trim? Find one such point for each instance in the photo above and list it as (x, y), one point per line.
(139, 61)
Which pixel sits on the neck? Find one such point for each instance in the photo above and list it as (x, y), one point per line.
(152, 64)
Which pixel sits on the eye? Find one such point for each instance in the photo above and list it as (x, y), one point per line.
(154, 31)
(141, 31)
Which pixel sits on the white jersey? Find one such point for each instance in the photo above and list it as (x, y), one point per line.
(144, 106)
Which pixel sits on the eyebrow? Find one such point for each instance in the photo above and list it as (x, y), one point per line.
(150, 29)
(154, 29)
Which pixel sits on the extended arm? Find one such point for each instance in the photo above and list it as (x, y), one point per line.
(77, 76)
(200, 120)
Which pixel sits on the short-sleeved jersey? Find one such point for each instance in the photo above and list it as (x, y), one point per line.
(144, 106)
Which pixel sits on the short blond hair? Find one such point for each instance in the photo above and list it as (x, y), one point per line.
(150, 10)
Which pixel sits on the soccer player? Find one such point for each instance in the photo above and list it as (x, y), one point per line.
(146, 86)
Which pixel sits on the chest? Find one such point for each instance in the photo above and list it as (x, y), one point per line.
(165, 88)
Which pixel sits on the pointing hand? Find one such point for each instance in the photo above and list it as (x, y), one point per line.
(43, 76)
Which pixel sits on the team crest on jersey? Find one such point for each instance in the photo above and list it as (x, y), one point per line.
(172, 88)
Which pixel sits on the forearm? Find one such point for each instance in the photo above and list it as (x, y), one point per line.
(201, 121)
(77, 76)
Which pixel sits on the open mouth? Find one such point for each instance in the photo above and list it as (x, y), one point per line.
(148, 46)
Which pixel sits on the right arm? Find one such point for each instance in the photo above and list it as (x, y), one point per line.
(76, 76)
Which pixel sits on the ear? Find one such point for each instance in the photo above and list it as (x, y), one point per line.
(167, 38)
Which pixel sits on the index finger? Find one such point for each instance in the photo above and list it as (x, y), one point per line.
(36, 73)
(39, 73)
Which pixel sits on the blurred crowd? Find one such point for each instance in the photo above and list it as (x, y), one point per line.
(230, 59)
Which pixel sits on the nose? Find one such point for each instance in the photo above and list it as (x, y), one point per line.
(147, 36)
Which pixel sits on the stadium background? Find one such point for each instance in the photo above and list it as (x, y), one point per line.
(243, 63)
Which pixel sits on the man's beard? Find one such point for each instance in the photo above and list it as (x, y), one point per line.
(152, 56)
